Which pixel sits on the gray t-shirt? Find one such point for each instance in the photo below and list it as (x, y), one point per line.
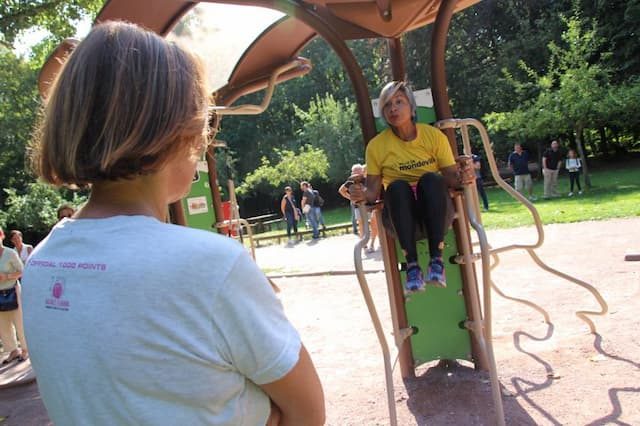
(134, 321)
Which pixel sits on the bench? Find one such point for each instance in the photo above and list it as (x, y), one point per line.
(340, 228)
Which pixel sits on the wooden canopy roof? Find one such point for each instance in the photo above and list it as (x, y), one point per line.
(279, 43)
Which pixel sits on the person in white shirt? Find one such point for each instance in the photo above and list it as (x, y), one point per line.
(131, 320)
(573, 166)
(24, 250)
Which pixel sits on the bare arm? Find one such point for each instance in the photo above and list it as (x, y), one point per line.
(369, 191)
(544, 162)
(344, 191)
(10, 276)
(283, 205)
(298, 395)
(461, 173)
(450, 175)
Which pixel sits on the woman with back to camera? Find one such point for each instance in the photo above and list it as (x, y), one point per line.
(415, 164)
(133, 320)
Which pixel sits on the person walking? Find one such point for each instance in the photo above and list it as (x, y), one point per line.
(317, 204)
(290, 213)
(11, 304)
(573, 166)
(551, 163)
(518, 162)
(307, 208)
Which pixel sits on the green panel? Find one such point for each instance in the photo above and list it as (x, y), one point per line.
(438, 312)
(198, 205)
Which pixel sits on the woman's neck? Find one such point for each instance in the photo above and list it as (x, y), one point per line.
(407, 132)
(138, 196)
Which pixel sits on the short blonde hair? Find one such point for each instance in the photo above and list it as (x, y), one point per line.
(124, 103)
(391, 89)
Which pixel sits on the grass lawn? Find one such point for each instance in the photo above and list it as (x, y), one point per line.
(615, 193)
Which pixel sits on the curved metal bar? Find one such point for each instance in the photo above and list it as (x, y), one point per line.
(604, 308)
(248, 109)
(463, 124)
(486, 336)
(459, 123)
(388, 368)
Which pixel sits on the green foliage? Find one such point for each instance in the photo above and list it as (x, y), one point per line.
(35, 210)
(332, 125)
(19, 102)
(572, 94)
(58, 17)
(308, 164)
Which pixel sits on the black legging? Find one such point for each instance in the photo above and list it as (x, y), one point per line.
(430, 208)
(291, 223)
(574, 177)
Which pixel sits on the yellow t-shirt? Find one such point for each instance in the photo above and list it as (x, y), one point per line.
(392, 158)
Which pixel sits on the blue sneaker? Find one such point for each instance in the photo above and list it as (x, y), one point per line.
(436, 274)
(415, 280)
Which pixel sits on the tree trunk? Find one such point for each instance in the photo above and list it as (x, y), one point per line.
(604, 143)
(583, 157)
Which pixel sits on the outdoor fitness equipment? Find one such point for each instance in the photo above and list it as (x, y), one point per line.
(272, 58)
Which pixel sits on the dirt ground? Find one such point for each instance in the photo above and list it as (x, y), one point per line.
(551, 374)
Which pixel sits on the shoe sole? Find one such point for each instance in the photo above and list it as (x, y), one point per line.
(438, 284)
(408, 292)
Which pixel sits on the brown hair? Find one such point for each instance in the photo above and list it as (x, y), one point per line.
(14, 233)
(124, 103)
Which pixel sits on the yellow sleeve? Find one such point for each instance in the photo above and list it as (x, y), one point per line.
(371, 158)
(444, 154)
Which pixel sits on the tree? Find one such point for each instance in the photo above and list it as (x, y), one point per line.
(19, 102)
(572, 94)
(58, 17)
(35, 210)
(308, 164)
(332, 125)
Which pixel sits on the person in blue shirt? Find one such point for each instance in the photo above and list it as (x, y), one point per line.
(519, 163)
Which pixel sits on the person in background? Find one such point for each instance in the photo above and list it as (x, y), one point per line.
(518, 162)
(551, 163)
(573, 166)
(290, 213)
(477, 165)
(415, 164)
(317, 204)
(24, 250)
(132, 320)
(64, 211)
(360, 170)
(11, 305)
(307, 208)
(356, 170)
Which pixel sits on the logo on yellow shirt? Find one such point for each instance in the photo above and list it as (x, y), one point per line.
(413, 164)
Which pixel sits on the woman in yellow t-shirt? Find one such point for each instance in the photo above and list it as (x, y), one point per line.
(415, 164)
